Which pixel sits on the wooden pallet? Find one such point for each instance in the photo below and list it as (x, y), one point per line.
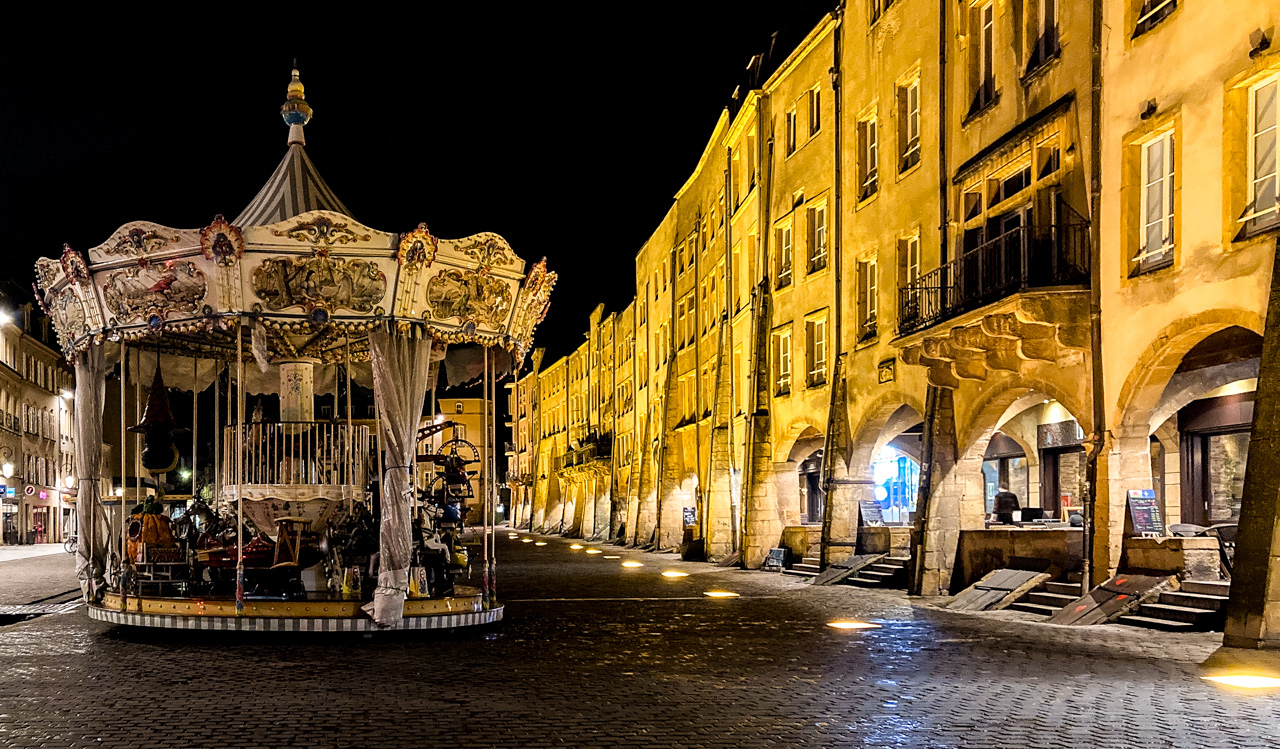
(997, 589)
(1112, 599)
(837, 572)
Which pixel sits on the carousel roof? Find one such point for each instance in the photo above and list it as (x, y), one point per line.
(298, 270)
(295, 187)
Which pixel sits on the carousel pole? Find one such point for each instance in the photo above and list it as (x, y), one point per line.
(124, 452)
(240, 429)
(217, 432)
(484, 482)
(347, 443)
(195, 424)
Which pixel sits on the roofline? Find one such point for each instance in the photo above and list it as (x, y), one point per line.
(713, 144)
(802, 49)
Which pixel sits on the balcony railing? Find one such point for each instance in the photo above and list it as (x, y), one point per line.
(1024, 258)
(316, 453)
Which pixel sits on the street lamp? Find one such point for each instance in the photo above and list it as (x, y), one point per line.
(7, 455)
(5, 317)
(67, 394)
(70, 481)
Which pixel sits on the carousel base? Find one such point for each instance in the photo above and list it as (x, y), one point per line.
(464, 609)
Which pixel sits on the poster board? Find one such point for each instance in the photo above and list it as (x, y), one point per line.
(869, 512)
(1145, 516)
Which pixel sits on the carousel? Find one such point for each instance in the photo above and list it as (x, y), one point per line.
(337, 523)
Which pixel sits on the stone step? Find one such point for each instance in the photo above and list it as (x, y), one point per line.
(872, 573)
(897, 561)
(793, 572)
(1186, 614)
(816, 561)
(810, 568)
(1064, 589)
(1152, 623)
(871, 582)
(1056, 600)
(1207, 587)
(1193, 600)
(888, 569)
(1074, 577)
(1035, 608)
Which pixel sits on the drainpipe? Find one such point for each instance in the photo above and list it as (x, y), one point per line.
(838, 189)
(925, 486)
(1097, 439)
(730, 311)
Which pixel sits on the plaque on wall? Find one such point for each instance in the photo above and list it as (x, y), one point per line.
(1146, 516)
(869, 512)
(885, 371)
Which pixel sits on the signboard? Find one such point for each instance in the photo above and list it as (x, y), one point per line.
(1145, 513)
(870, 513)
(30, 490)
(691, 516)
(777, 559)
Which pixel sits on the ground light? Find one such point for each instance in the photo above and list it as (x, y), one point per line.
(593, 551)
(575, 547)
(675, 573)
(632, 565)
(540, 543)
(720, 594)
(1242, 668)
(529, 541)
(1245, 681)
(611, 556)
(846, 624)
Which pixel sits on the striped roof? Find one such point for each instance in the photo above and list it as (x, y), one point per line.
(295, 187)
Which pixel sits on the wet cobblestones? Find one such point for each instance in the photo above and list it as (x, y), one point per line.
(667, 668)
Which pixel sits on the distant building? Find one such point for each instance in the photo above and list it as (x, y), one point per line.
(37, 445)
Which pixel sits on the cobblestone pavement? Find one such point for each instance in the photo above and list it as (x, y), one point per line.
(595, 655)
(29, 578)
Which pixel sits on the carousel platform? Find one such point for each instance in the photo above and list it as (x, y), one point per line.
(465, 609)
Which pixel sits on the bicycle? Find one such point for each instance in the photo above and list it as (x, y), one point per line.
(71, 544)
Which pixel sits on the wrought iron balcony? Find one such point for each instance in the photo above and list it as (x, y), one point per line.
(1020, 259)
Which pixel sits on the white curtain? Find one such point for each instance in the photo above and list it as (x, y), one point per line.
(401, 377)
(91, 522)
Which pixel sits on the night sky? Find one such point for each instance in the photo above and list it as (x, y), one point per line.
(565, 132)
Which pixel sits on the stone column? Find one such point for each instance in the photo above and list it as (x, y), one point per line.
(297, 390)
(788, 491)
(763, 528)
(1253, 612)
(1125, 463)
(604, 502)
(843, 499)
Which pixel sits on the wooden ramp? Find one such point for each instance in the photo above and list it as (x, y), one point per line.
(837, 572)
(1112, 599)
(997, 589)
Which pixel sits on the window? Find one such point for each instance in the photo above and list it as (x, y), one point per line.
(877, 9)
(909, 260)
(1009, 183)
(751, 161)
(791, 131)
(1044, 33)
(982, 81)
(1262, 213)
(867, 158)
(815, 110)
(972, 204)
(1157, 203)
(784, 256)
(815, 344)
(1151, 13)
(680, 260)
(782, 362)
(866, 299)
(909, 125)
(735, 278)
(817, 226)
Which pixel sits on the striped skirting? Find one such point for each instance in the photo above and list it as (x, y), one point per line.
(292, 624)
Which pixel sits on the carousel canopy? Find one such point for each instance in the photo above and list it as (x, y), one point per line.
(297, 270)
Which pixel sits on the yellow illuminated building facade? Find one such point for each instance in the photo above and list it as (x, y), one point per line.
(925, 259)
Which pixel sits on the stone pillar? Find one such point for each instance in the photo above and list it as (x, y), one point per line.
(1125, 463)
(843, 500)
(937, 534)
(297, 390)
(604, 502)
(788, 492)
(763, 528)
(647, 499)
(1253, 612)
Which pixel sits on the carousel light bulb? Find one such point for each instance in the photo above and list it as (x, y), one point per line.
(119, 491)
(184, 474)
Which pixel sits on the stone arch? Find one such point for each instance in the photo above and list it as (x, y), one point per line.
(1145, 383)
(992, 402)
(797, 427)
(1127, 459)
(869, 429)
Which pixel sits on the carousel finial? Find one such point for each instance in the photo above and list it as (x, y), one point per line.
(295, 110)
